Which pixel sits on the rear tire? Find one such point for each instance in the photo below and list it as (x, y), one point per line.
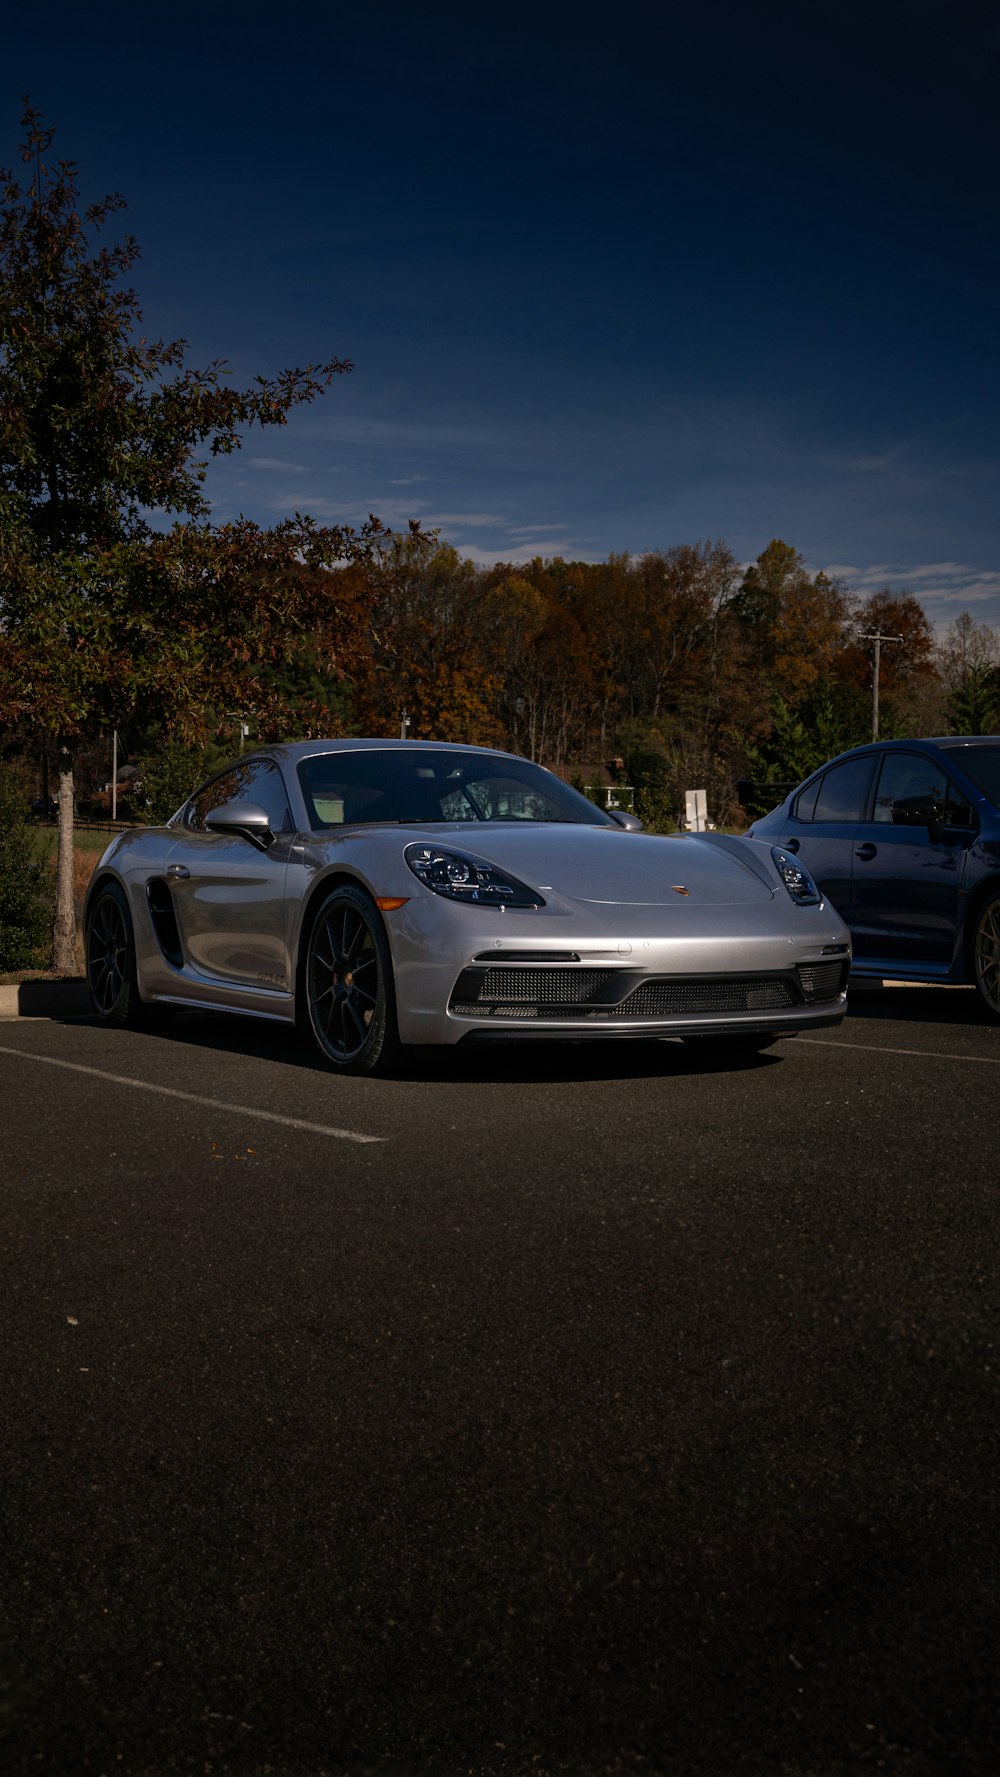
(112, 979)
(347, 984)
(985, 958)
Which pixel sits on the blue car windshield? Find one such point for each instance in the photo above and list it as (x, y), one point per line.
(415, 784)
(982, 766)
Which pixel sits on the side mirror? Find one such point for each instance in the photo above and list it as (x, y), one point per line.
(915, 811)
(622, 818)
(919, 811)
(244, 819)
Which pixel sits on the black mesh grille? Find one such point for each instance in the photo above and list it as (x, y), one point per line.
(821, 981)
(663, 999)
(543, 987)
(591, 993)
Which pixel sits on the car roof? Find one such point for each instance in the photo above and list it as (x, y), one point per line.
(945, 743)
(291, 752)
(952, 742)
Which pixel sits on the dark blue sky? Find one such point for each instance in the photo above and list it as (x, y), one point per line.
(613, 276)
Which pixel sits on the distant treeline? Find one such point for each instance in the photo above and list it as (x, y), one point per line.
(669, 670)
(680, 664)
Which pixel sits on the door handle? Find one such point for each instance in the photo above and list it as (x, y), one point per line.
(866, 852)
(177, 872)
(790, 844)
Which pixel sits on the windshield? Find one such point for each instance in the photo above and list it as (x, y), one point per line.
(418, 784)
(982, 766)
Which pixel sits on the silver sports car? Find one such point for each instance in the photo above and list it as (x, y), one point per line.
(400, 892)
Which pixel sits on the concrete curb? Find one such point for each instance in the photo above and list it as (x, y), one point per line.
(44, 999)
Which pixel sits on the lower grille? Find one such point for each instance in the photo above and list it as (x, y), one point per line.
(666, 999)
(543, 987)
(822, 981)
(621, 994)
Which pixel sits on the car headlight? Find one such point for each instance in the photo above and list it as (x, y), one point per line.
(796, 878)
(460, 877)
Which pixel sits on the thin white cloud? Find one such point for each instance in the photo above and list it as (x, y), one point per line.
(404, 437)
(524, 552)
(393, 512)
(407, 480)
(944, 588)
(276, 463)
(475, 520)
(533, 530)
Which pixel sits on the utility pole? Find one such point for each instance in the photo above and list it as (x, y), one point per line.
(404, 723)
(114, 776)
(878, 638)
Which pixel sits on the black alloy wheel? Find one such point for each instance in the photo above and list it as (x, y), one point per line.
(986, 958)
(109, 945)
(349, 984)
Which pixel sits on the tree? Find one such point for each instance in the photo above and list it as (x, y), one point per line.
(428, 652)
(795, 624)
(968, 648)
(974, 705)
(24, 909)
(908, 681)
(969, 664)
(100, 429)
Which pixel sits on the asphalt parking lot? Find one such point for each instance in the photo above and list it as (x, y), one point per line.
(587, 1409)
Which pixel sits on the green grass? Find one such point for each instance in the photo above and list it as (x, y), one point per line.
(95, 842)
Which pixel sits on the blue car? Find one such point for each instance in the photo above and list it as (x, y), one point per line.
(903, 837)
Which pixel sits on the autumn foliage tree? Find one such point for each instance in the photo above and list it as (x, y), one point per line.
(429, 648)
(101, 609)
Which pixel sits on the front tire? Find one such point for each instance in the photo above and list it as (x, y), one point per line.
(986, 958)
(112, 980)
(348, 984)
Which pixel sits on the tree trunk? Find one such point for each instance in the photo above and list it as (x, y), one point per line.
(64, 948)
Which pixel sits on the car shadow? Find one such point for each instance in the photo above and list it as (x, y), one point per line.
(535, 1062)
(540, 1063)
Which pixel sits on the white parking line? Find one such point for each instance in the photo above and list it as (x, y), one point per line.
(214, 1104)
(878, 1049)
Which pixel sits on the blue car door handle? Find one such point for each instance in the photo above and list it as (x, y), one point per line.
(790, 844)
(866, 852)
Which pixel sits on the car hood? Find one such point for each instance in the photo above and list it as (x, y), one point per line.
(606, 865)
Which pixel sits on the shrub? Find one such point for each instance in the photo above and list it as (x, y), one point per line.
(170, 774)
(25, 887)
(656, 807)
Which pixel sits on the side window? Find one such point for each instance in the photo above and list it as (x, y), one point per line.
(259, 780)
(506, 798)
(958, 810)
(265, 786)
(455, 806)
(909, 784)
(214, 795)
(805, 807)
(843, 791)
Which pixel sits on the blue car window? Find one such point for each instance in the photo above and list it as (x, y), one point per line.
(958, 809)
(909, 778)
(843, 792)
(981, 763)
(805, 807)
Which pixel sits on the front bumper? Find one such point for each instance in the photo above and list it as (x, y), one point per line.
(620, 983)
(582, 1030)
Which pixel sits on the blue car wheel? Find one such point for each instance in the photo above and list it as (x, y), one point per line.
(986, 957)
